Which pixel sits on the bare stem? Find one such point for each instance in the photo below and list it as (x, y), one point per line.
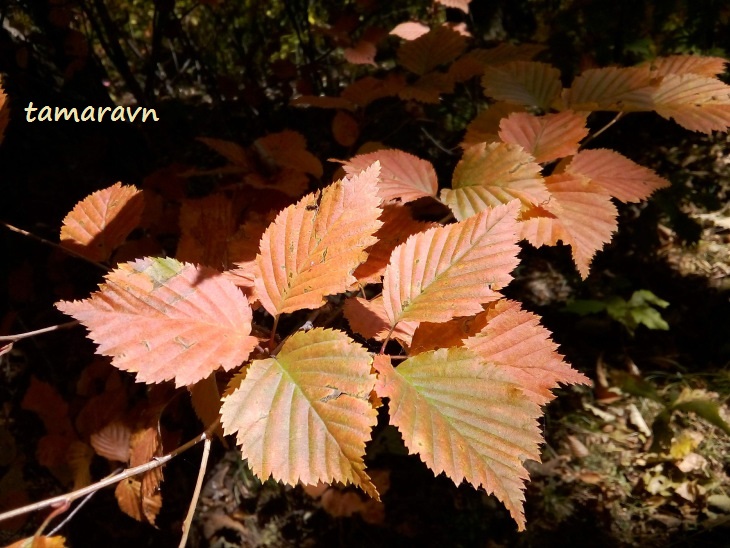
(29, 334)
(196, 494)
(53, 244)
(111, 480)
(604, 128)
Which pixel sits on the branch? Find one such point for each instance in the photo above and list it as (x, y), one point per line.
(18, 336)
(196, 494)
(111, 480)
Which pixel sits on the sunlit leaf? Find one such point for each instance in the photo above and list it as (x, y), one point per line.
(410, 30)
(432, 336)
(494, 174)
(546, 138)
(452, 270)
(514, 340)
(102, 221)
(465, 418)
(403, 176)
(612, 88)
(579, 213)
(695, 102)
(528, 83)
(687, 64)
(619, 177)
(164, 320)
(305, 414)
(312, 248)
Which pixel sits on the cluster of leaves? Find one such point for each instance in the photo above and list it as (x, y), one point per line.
(470, 369)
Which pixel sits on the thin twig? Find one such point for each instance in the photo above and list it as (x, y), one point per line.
(29, 334)
(196, 494)
(53, 244)
(604, 128)
(111, 480)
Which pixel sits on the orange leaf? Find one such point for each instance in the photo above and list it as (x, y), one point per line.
(206, 227)
(305, 414)
(146, 445)
(312, 248)
(102, 221)
(233, 152)
(163, 320)
(687, 64)
(452, 270)
(78, 457)
(288, 149)
(579, 213)
(618, 89)
(410, 30)
(345, 129)
(132, 503)
(437, 47)
(403, 176)
(432, 336)
(44, 400)
(40, 542)
(484, 128)
(112, 442)
(528, 83)
(364, 91)
(362, 53)
(548, 137)
(465, 418)
(428, 88)
(514, 340)
(494, 174)
(694, 102)
(617, 175)
(398, 224)
(474, 62)
(369, 320)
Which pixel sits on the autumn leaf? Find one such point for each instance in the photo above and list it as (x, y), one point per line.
(364, 91)
(580, 214)
(452, 270)
(514, 340)
(164, 320)
(612, 88)
(233, 152)
(439, 46)
(304, 415)
(485, 127)
(207, 226)
(432, 336)
(134, 504)
(547, 137)
(528, 83)
(345, 129)
(99, 223)
(403, 176)
(368, 319)
(40, 541)
(465, 418)
(287, 149)
(687, 64)
(428, 88)
(410, 30)
(494, 174)
(112, 442)
(694, 102)
(618, 176)
(362, 53)
(312, 247)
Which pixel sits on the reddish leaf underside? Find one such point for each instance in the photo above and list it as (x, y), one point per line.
(465, 418)
(452, 270)
(694, 102)
(547, 137)
(514, 340)
(164, 320)
(687, 64)
(439, 46)
(579, 213)
(618, 176)
(528, 83)
(492, 174)
(312, 247)
(403, 176)
(612, 88)
(305, 414)
(102, 221)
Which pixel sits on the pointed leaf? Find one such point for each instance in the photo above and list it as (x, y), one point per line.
(579, 213)
(362, 53)
(548, 137)
(514, 340)
(617, 89)
(369, 320)
(494, 174)
(437, 47)
(398, 224)
(465, 418)
(432, 336)
(403, 176)
(528, 83)
(305, 415)
(450, 271)
(695, 102)
(288, 149)
(167, 320)
(102, 221)
(410, 30)
(620, 177)
(484, 128)
(312, 248)
(688, 64)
